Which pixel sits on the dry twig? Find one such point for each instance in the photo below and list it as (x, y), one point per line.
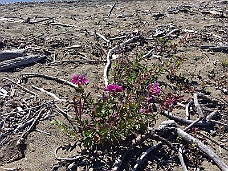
(33, 125)
(141, 159)
(197, 105)
(183, 120)
(180, 155)
(26, 75)
(111, 10)
(23, 88)
(110, 52)
(49, 93)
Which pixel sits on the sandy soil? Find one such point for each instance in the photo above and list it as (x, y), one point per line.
(50, 28)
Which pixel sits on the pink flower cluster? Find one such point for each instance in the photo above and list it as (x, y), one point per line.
(169, 100)
(79, 79)
(114, 88)
(154, 89)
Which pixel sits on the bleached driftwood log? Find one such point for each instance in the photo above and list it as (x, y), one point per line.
(10, 54)
(8, 64)
(190, 139)
(203, 148)
(185, 121)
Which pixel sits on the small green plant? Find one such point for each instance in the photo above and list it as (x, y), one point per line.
(224, 62)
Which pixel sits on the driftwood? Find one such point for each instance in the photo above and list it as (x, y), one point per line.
(11, 54)
(215, 48)
(192, 124)
(27, 75)
(139, 162)
(3, 93)
(23, 88)
(63, 25)
(190, 139)
(171, 32)
(135, 142)
(101, 36)
(32, 127)
(62, 112)
(110, 52)
(74, 47)
(185, 121)
(117, 38)
(24, 125)
(187, 107)
(111, 9)
(49, 93)
(9, 64)
(78, 61)
(219, 48)
(28, 109)
(181, 158)
(204, 148)
(35, 21)
(148, 54)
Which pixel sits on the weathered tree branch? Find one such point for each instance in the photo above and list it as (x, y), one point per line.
(8, 64)
(204, 148)
(197, 105)
(10, 54)
(49, 93)
(110, 52)
(183, 120)
(23, 88)
(26, 75)
(141, 159)
(111, 10)
(180, 155)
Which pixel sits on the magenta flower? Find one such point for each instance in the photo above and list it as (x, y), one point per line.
(141, 110)
(75, 79)
(83, 80)
(114, 88)
(169, 101)
(79, 80)
(154, 89)
(149, 99)
(89, 126)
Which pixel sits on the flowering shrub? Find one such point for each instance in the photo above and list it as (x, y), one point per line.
(125, 107)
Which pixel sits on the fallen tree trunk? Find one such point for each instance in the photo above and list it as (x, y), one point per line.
(11, 54)
(9, 64)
